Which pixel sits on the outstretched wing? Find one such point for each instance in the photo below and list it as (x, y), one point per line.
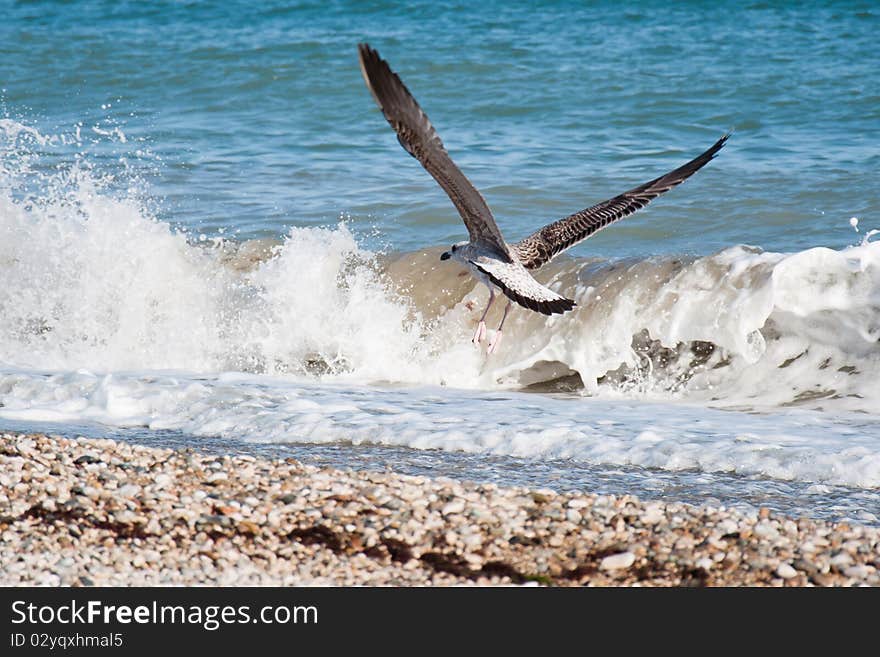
(518, 285)
(540, 247)
(418, 137)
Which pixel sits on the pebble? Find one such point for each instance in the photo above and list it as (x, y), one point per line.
(841, 560)
(726, 527)
(129, 490)
(117, 514)
(786, 571)
(161, 481)
(858, 572)
(543, 495)
(618, 561)
(653, 515)
(455, 506)
(765, 529)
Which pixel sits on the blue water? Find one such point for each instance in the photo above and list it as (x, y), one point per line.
(133, 134)
(253, 116)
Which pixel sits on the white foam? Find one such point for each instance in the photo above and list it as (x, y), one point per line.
(795, 445)
(99, 285)
(92, 280)
(787, 328)
(100, 300)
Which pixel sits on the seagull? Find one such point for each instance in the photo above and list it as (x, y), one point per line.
(490, 259)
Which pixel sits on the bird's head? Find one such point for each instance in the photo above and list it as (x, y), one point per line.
(446, 255)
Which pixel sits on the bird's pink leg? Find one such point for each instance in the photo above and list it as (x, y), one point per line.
(496, 339)
(481, 327)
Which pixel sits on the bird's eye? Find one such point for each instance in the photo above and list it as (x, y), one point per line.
(454, 247)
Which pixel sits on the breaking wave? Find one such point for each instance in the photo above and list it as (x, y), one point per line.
(93, 280)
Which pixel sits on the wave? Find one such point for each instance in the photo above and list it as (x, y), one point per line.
(741, 327)
(93, 280)
(837, 449)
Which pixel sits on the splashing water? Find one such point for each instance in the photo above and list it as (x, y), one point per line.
(93, 280)
(110, 315)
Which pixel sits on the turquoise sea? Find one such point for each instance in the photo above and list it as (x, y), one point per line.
(210, 237)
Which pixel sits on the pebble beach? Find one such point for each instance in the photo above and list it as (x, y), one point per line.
(89, 512)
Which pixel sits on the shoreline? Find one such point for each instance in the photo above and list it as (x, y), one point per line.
(99, 512)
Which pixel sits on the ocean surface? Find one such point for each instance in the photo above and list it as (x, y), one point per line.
(210, 237)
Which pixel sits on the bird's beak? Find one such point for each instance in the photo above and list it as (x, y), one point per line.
(445, 255)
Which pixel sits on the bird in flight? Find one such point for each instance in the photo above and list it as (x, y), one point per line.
(486, 254)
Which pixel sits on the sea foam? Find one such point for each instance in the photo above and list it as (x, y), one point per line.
(109, 314)
(93, 280)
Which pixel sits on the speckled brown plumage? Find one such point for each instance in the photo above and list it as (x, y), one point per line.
(489, 257)
(418, 138)
(539, 248)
